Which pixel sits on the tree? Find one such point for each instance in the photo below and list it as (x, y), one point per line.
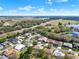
(69, 23)
(67, 38)
(34, 42)
(15, 56)
(59, 24)
(40, 54)
(2, 40)
(63, 28)
(26, 54)
(29, 50)
(45, 57)
(49, 46)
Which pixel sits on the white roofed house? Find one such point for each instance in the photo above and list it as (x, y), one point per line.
(20, 39)
(28, 43)
(70, 51)
(4, 57)
(43, 39)
(68, 45)
(6, 43)
(39, 46)
(6, 24)
(58, 53)
(11, 53)
(19, 47)
(28, 34)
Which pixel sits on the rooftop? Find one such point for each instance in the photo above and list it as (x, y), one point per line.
(19, 46)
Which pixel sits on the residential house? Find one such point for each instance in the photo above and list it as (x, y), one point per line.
(54, 42)
(58, 53)
(20, 39)
(4, 57)
(6, 43)
(28, 34)
(76, 45)
(19, 47)
(48, 51)
(45, 45)
(39, 46)
(11, 53)
(43, 39)
(1, 46)
(29, 43)
(6, 24)
(13, 40)
(50, 41)
(68, 45)
(69, 51)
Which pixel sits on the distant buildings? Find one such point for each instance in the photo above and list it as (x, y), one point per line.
(10, 53)
(74, 26)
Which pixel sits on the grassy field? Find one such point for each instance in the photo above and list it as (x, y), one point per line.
(55, 22)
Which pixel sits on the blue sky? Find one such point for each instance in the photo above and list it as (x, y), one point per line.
(39, 7)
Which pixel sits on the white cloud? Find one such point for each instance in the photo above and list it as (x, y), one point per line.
(54, 12)
(13, 11)
(50, 2)
(40, 10)
(26, 8)
(1, 8)
(62, 0)
(73, 5)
